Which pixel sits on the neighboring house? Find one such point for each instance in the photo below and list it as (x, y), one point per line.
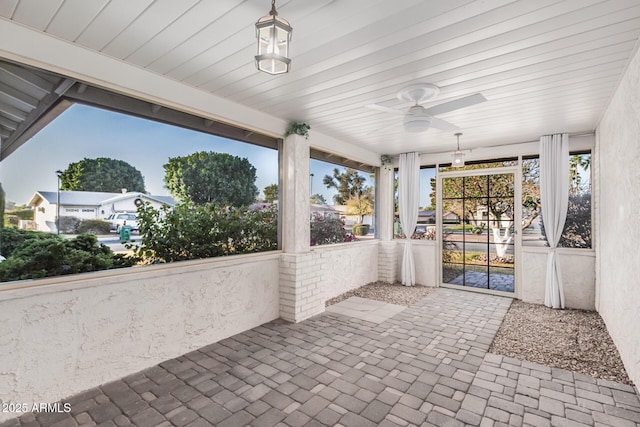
(324, 211)
(87, 205)
(450, 218)
(483, 217)
(352, 219)
(427, 216)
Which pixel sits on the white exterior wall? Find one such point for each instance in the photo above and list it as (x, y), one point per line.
(425, 257)
(45, 221)
(126, 205)
(578, 275)
(70, 334)
(346, 266)
(617, 208)
(82, 212)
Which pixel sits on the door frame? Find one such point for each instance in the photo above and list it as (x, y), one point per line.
(517, 222)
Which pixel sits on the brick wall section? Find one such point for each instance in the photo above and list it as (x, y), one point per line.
(387, 262)
(300, 293)
(308, 279)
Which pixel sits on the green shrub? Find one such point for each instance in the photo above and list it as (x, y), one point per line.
(94, 226)
(12, 238)
(69, 224)
(478, 229)
(11, 220)
(360, 229)
(23, 214)
(35, 255)
(325, 231)
(193, 232)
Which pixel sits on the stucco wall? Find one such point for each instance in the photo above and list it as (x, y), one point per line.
(578, 274)
(617, 208)
(424, 256)
(72, 334)
(346, 266)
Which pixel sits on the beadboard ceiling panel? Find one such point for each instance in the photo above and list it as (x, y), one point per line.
(544, 66)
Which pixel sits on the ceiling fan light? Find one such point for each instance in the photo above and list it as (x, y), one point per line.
(458, 159)
(274, 37)
(415, 124)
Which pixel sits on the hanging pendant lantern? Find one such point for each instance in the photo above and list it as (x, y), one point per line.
(274, 36)
(458, 156)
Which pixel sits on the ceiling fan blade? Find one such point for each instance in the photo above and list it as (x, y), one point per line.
(385, 109)
(456, 104)
(443, 125)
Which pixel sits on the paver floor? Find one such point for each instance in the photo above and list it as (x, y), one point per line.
(426, 366)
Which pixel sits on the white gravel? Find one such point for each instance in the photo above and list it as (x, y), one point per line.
(570, 339)
(393, 293)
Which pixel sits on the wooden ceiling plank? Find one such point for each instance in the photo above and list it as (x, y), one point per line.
(73, 17)
(147, 25)
(114, 18)
(201, 15)
(36, 13)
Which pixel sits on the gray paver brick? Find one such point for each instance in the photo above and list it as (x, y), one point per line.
(104, 412)
(183, 418)
(409, 414)
(474, 404)
(354, 420)
(147, 418)
(551, 406)
(536, 420)
(438, 419)
(269, 418)
(376, 411)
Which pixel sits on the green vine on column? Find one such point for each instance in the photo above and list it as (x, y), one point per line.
(295, 128)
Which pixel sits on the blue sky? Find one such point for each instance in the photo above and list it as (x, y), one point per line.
(89, 132)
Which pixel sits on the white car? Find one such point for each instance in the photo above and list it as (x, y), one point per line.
(118, 219)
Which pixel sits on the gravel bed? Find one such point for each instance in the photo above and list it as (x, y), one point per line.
(392, 293)
(571, 339)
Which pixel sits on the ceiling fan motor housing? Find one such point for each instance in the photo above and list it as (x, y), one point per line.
(417, 120)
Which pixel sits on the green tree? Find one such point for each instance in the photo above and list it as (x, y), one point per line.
(317, 199)
(2, 206)
(579, 164)
(348, 183)
(101, 174)
(361, 204)
(270, 193)
(209, 177)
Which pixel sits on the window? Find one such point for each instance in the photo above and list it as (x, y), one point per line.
(342, 200)
(426, 225)
(577, 228)
(184, 191)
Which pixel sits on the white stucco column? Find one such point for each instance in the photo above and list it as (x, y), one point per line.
(385, 203)
(387, 258)
(301, 295)
(295, 194)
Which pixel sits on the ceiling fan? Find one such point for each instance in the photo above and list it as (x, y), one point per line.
(420, 119)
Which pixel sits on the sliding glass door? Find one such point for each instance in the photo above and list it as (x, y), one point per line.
(478, 241)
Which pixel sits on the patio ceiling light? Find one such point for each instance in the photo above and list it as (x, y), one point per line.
(274, 36)
(458, 156)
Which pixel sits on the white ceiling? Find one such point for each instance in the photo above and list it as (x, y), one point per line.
(544, 66)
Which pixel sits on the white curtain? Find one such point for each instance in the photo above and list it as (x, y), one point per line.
(409, 201)
(554, 197)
